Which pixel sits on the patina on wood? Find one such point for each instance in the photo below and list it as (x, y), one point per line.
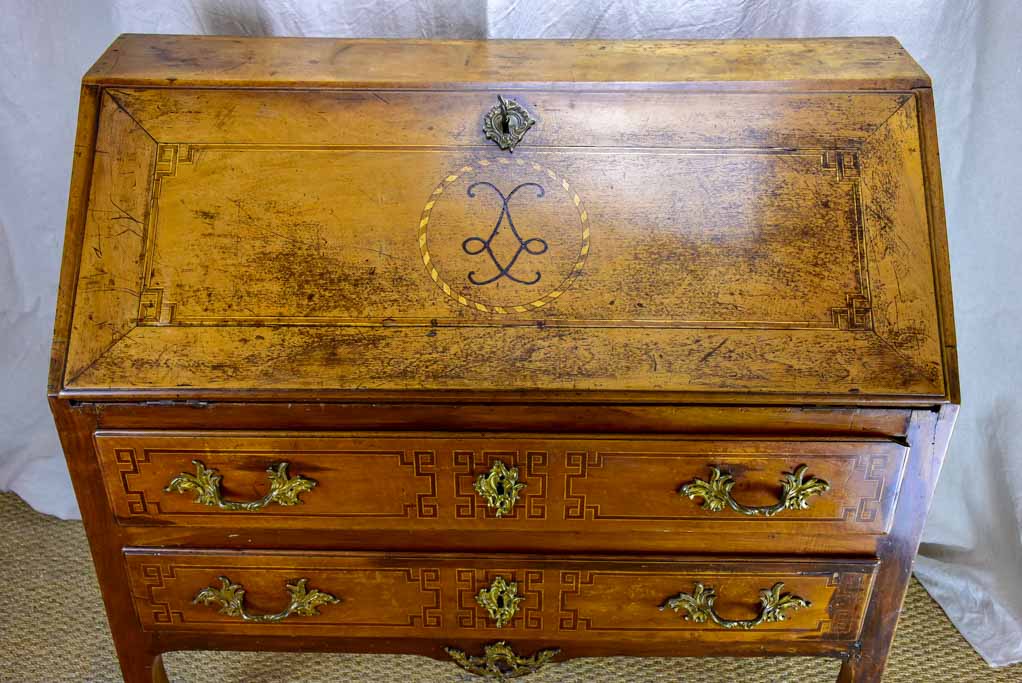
(778, 252)
(709, 273)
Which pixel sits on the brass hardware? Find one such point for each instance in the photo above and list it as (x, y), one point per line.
(206, 485)
(500, 661)
(716, 493)
(506, 123)
(500, 488)
(698, 606)
(231, 598)
(500, 600)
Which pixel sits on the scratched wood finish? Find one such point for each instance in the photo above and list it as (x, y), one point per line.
(816, 63)
(773, 253)
(433, 596)
(425, 482)
(746, 266)
(480, 417)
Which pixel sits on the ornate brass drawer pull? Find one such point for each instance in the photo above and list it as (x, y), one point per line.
(698, 606)
(205, 483)
(500, 661)
(231, 598)
(716, 493)
(500, 600)
(500, 488)
(507, 123)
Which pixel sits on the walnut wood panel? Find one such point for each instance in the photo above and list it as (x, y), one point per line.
(817, 63)
(432, 596)
(640, 419)
(108, 285)
(730, 266)
(425, 482)
(649, 120)
(264, 256)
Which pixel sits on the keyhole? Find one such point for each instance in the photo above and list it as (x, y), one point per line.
(500, 487)
(505, 124)
(500, 601)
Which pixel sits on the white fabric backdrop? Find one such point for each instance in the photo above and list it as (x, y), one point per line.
(972, 555)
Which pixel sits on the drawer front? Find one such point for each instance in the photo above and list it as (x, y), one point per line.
(527, 484)
(377, 595)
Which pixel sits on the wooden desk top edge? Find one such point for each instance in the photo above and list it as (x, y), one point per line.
(796, 64)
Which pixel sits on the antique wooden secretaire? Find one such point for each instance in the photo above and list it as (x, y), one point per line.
(505, 352)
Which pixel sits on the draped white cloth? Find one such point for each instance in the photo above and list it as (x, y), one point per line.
(972, 555)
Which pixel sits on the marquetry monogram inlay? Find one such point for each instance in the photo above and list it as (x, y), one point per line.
(533, 246)
(504, 237)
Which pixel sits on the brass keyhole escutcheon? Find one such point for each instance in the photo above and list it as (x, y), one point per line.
(500, 600)
(507, 123)
(500, 488)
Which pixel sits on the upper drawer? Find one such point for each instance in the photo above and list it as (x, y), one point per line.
(522, 486)
(635, 246)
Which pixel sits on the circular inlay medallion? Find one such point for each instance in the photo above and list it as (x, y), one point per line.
(504, 236)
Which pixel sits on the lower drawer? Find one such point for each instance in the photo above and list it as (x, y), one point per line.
(472, 598)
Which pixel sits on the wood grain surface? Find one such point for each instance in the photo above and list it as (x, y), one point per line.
(814, 63)
(702, 254)
(772, 253)
(424, 482)
(433, 596)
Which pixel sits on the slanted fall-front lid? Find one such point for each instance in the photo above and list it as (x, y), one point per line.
(643, 245)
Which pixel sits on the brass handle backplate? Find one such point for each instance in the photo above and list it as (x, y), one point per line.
(231, 598)
(507, 123)
(698, 606)
(716, 493)
(500, 661)
(205, 483)
(500, 488)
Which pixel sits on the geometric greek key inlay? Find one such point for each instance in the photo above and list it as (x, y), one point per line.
(847, 604)
(141, 493)
(155, 577)
(576, 465)
(872, 469)
(589, 490)
(856, 314)
(467, 466)
(845, 164)
(471, 615)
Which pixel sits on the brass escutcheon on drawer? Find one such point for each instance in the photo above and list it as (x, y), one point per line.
(500, 600)
(500, 488)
